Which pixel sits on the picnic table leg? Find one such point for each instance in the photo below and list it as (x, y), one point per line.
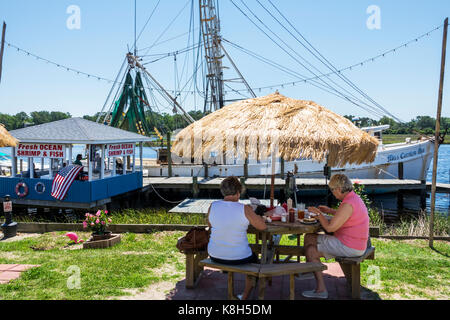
(263, 248)
(292, 287)
(261, 289)
(356, 281)
(346, 268)
(190, 271)
(298, 245)
(231, 286)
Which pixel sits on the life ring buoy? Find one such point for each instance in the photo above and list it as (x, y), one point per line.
(39, 188)
(25, 189)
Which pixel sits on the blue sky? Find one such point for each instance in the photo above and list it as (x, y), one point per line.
(405, 83)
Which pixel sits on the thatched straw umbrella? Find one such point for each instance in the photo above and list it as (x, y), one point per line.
(279, 126)
(6, 140)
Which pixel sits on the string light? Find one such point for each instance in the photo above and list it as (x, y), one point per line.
(109, 81)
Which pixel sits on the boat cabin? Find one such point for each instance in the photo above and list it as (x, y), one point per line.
(376, 131)
(107, 156)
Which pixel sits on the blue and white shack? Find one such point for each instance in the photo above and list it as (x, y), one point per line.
(108, 156)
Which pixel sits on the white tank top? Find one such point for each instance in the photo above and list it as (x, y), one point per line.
(229, 225)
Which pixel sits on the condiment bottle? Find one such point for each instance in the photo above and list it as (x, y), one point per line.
(291, 215)
(289, 204)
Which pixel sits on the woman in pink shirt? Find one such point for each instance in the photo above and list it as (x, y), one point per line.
(350, 225)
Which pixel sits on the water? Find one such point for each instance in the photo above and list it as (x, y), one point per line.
(388, 202)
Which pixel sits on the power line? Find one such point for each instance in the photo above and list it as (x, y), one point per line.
(198, 91)
(296, 53)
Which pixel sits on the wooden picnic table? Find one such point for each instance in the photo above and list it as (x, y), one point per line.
(277, 227)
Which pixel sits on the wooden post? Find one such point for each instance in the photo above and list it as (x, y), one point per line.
(246, 168)
(272, 180)
(2, 49)
(400, 170)
(244, 188)
(195, 188)
(423, 194)
(400, 201)
(436, 134)
(206, 170)
(169, 155)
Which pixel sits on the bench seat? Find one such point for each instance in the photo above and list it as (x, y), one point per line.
(352, 270)
(263, 271)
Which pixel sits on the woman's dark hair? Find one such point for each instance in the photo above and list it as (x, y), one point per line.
(230, 186)
(79, 156)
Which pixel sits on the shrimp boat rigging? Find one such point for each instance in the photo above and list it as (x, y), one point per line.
(131, 110)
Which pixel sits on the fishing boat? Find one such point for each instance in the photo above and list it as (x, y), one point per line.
(406, 160)
(131, 109)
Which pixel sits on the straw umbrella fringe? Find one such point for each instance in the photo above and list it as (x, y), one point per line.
(295, 129)
(6, 140)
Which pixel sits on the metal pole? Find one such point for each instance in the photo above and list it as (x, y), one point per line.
(436, 134)
(169, 155)
(2, 49)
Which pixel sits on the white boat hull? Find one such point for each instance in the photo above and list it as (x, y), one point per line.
(415, 156)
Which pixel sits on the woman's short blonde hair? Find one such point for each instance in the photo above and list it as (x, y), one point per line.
(342, 182)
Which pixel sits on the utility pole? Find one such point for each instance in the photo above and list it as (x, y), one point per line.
(2, 48)
(436, 134)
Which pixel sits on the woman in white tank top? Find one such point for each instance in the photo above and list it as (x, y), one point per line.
(228, 220)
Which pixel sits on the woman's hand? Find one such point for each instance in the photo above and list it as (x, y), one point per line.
(326, 209)
(314, 210)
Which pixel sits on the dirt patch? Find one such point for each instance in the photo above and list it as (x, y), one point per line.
(10, 256)
(156, 291)
(136, 253)
(19, 236)
(167, 269)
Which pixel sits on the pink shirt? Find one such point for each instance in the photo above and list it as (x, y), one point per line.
(355, 231)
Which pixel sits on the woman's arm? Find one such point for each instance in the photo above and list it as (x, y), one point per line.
(343, 213)
(207, 218)
(254, 219)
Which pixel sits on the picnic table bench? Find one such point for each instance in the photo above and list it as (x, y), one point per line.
(264, 271)
(352, 270)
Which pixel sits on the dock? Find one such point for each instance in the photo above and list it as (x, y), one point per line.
(201, 206)
(372, 186)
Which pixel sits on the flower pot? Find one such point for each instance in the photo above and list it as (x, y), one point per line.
(104, 236)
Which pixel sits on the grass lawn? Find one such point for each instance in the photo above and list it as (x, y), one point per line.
(408, 269)
(397, 138)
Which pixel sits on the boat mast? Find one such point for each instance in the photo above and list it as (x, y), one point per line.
(210, 25)
(132, 60)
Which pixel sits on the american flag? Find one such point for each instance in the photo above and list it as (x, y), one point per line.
(63, 180)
